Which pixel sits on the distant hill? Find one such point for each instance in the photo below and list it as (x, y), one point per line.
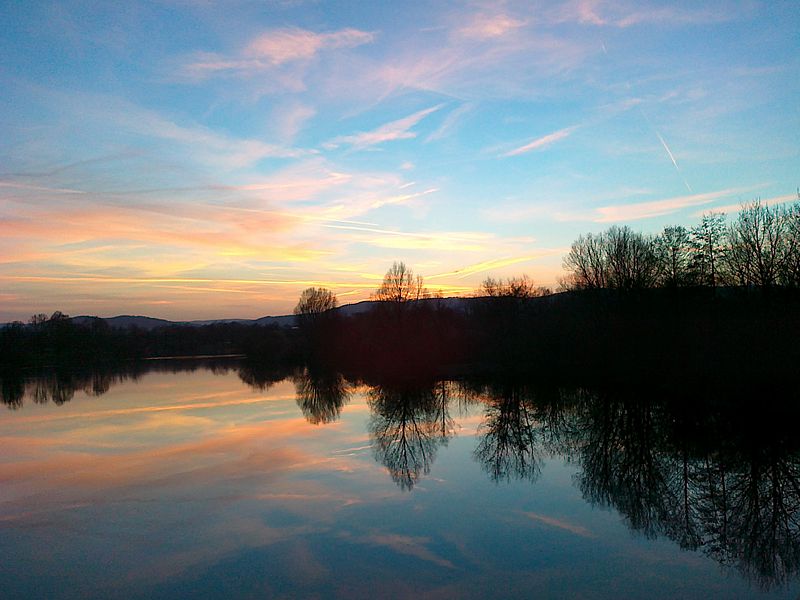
(150, 323)
(126, 321)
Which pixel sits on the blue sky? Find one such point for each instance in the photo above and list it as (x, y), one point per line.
(199, 159)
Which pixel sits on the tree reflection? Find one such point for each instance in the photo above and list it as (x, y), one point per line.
(520, 426)
(409, 422)
(59, 385)
(508, 445)
(12, 387)
(261, 375)
(750, 510)
(621, 462)
(321, 395)
(722, 484)
(702, 470)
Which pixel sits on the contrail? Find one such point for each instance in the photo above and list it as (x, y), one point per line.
(674, 162)
(658, 135)
(669, 152)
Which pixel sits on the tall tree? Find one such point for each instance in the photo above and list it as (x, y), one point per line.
(790, 274)
(759, 245)
(706, 244)
(673, 249)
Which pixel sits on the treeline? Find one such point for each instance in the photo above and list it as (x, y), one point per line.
(760, 248)
(581, 337)
(59, 340)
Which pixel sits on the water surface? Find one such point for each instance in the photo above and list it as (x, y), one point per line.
(217, 481)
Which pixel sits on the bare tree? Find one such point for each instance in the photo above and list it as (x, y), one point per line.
(513, 287)
(790, 274)
(315, 301)
(587, 262)
(758, 245)
(673, 249)
(706, 244)
(631, 258)
(400, 285)
(313, 304)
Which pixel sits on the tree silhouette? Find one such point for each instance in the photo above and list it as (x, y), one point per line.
(707, 247)
(673, 248)
(513, 287)
(760, 245)
(400, 285)
(314, 302)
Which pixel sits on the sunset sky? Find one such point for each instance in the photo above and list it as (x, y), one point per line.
(199, 159)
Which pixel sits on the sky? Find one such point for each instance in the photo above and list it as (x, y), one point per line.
(196, 159)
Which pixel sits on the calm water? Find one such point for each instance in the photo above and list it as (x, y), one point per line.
(214, 483)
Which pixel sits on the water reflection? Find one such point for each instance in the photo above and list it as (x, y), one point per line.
(704, 470)
(702, 476)
(521, 425)
(59, 385)
(321, 394)
(409, 422)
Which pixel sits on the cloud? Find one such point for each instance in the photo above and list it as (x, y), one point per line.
(735, 208)
(449, 241)
(543, 141)
(489, 265)
(284, 45)
(484, 27)
(38, 188)
(394, 130)
(628, 14)
(656, 208)
(584, 12)
(290, 119)
(275, 48)
(449, 122)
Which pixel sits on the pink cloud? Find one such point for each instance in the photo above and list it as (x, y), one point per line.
(543, 141)
(485, 27)
(395, 130)
(285, 45)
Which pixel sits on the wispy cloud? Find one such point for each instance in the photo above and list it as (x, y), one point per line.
(38, 188)
(274, 48)
(542, 142)
(405, 240)
(656, 208)
(628, 13)
(483, 27)
(394, 130)
(290, 119)
(449, 122)
(283, 45)
(735, 208)
(484, 266)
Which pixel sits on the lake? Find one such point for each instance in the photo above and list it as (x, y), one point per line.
(217, 479)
